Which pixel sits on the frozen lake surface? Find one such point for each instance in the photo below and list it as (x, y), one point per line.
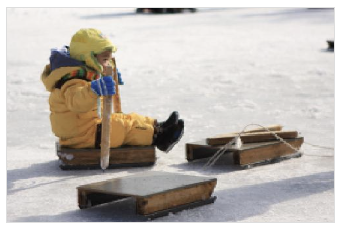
(221, 68)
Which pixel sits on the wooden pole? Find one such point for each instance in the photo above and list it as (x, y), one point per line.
(107, 108)
(116, 97)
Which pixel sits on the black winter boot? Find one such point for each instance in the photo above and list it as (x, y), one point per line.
(166, 139)
(173, 119)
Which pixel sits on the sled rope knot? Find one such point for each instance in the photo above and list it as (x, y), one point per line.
(236, 141)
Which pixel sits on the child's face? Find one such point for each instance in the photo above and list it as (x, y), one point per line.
(104, 58)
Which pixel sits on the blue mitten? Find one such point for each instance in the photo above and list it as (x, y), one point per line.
(103, 86)
(120, 81)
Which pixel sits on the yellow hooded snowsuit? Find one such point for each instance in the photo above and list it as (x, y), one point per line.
(73, 107)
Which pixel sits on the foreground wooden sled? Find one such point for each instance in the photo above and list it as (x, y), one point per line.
(156, 193)
(249, 153)
(125, 156)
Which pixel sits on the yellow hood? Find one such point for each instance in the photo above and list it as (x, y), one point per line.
(49, 78)
(87, 43)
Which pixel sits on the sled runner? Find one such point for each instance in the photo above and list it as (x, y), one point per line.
(258, 147)
(125, 156)
(156, 193)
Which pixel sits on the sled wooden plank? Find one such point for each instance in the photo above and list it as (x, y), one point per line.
(255, 153)
(171, 199)
(180, 208)
(275, 127)
(252, 137)
(119, 157)
(200, 150)
(153, 191)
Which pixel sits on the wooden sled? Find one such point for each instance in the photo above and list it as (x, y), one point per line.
(156, 193)
(249, 154)
(125, 156)
(259, 146)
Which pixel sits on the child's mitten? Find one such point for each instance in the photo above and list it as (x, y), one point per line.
(103, 86)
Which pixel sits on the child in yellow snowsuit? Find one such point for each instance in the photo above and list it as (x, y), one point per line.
(76, 87)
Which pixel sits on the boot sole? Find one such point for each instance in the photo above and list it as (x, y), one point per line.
(174, 143)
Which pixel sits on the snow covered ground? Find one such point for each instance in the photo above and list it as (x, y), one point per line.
(221, 68)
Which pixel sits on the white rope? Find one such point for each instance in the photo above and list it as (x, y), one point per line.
(278, 137)
(328, 156)
(237, 141)
(319, 146)
(218, 154)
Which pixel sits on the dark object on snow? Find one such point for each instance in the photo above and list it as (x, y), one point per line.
(172, 120)
(330, 44)
(156, 193)
(167, 138)
(164, 10)
(125, 156)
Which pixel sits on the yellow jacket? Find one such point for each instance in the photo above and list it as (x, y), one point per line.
(73, 106)
(74, 116)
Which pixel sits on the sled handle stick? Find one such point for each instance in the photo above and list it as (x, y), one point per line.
(116, 97)
(107, 108)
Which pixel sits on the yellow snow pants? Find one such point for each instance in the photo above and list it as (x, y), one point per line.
(130, 129)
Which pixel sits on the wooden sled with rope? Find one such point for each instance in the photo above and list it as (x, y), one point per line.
(259, 146)
(106, 157)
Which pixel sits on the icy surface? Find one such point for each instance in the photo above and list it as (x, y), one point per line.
(221, 69)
